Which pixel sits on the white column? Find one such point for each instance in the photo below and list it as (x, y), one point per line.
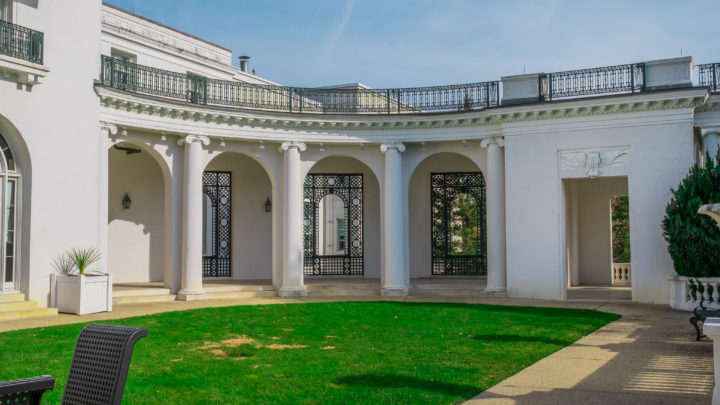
(711, 328)
(102, 234)
(292, 280)
(497, 278)
(711, 140)
(191, 287)
(394, 279)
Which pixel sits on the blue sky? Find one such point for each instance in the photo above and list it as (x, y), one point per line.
(403, 43)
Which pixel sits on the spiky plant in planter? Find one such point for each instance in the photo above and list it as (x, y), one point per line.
(694, 239)
(83, 258)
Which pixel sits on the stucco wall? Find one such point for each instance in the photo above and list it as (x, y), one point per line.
(660, 148)
(56, 123)
(135, 235)
(251, 225)
(419, 207)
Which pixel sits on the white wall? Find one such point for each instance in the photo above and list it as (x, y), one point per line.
(136, 235)
(58, 123)
(660, 152)
(251, 225)
(419, 207)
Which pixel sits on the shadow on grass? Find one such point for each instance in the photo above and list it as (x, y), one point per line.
(401, 381)
(520, 338)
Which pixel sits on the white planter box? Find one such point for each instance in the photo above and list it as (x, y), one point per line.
(80, 295)
(679, 293)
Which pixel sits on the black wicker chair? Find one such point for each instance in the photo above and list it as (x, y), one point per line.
(97, 373)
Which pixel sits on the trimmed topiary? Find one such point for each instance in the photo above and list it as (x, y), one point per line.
(694, 239)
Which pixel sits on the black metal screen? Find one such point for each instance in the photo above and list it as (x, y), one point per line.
(349, 236)
(216, 224)
(459, 237)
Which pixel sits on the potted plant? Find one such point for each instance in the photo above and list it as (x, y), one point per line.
(76, 290)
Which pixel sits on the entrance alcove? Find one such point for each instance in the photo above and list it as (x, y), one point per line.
(342, 228)
(432, 170)
(242, 233)
(136, 224)
(597, 229)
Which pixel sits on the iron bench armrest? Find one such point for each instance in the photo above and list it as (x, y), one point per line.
(26, 390)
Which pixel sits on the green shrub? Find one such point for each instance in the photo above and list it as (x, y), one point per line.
(694, 239)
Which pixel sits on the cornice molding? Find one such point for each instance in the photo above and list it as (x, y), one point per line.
(644, 102)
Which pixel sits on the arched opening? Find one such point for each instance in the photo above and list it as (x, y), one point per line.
(237, 219)
(447, 225)
(341, 219)
(136, 220)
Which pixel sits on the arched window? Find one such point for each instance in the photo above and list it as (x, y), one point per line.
(10, 186)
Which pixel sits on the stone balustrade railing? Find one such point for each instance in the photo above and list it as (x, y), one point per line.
(621, 273)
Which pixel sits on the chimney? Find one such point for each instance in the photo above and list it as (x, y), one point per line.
(244, 63)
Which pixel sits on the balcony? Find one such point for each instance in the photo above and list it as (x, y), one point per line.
(21, 43)
(21, 54)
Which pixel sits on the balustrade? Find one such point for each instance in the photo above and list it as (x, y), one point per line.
(21, 42)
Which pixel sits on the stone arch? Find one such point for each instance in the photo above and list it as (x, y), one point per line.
(419, 219)
(340, 163)
(23, 164)
(146, 177)
(251, 226)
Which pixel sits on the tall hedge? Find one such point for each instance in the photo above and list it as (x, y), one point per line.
(694, 239)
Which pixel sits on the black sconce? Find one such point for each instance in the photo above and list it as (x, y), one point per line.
(126, 201)
(268, 205)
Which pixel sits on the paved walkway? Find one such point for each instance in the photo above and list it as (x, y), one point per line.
(649, 356)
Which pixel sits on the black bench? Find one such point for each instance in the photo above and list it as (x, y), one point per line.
(102, 352)
(700, 314)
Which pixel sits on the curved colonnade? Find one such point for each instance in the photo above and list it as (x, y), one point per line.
(184, 140)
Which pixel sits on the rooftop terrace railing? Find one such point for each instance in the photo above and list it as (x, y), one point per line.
(21, 42)
(709, 76)
(583, 82)
(125, 75)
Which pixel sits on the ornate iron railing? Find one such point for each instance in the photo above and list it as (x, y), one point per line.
(709, 76)
(583, 82)
(125, 75)
(21, 42)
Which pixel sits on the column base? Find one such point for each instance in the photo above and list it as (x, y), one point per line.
(495, 289)
(192, 295)
(495, 292)
(289, 292)
(395, 291)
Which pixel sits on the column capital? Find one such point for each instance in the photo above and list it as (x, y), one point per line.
(300, 146)
(106, 126)
(496, 140)
(709, 130)
(194, 138)
(400, 147)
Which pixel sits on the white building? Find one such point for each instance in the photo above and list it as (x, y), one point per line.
(231, 176)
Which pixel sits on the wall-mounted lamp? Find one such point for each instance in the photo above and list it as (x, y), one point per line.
(268, 205)
(126, 201)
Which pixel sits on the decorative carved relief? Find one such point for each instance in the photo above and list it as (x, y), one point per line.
(594, 161)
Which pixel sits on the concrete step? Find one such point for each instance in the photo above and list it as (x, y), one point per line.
(27, 313)
(12, 297)
(228, 295)
(343, 291)
(142, 298)
(9, 306)
(138, 292)
(213, 288)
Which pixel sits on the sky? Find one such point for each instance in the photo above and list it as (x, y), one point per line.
(406, 43)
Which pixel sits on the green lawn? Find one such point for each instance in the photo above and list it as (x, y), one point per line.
(320, 353)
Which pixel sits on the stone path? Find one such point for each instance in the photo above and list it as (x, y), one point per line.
(649, 356)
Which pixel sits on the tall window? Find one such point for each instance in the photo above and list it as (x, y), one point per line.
(9, 180)
(6, 10)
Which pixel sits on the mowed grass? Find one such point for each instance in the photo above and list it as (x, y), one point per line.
(317, 353)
